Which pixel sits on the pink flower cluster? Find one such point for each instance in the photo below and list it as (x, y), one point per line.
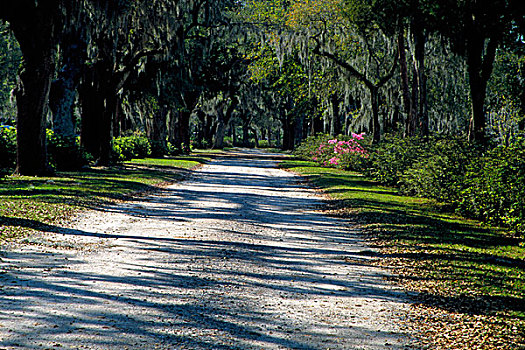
(339, 152)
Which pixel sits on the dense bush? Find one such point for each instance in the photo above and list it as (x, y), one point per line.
(228, 141)
(65, 153)
(264, 144)
(345, 152)
(129, 147)
(393, 156)
(434, 167)
(489, 186)
(158, 148)
(7, 147)
(495, 187)
(438, 169)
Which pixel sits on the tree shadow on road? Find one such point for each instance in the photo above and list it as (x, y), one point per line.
(278, 244)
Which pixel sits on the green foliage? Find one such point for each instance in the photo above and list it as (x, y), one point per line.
(7, 148)
(66, 153)
(172, 150)
(129, 147)
(203, 144)
(490, 187)
(228, 141)
(158, 148)
(438, 171)
(393, 156)
(432, 168)
(495, 187)
(264, 144)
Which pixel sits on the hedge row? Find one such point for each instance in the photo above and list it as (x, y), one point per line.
(488, 185)
(67, 154)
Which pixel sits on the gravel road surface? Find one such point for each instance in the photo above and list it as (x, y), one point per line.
(236, 257)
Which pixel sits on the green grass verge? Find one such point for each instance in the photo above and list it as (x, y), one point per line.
(29, 203)
(458, 267)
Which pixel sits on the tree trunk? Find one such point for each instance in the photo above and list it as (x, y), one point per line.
(92, 110)
(223, 120)
(106, 134)
(156, 130)
(375, 125)
(335, 128)
(219, 131)
(209, 126)
(479, 65)
(100, 102)
(35, 28)
(256, 137)
(184, 131)
(31, 97)
(64, 88)
(173, 131)
(245, 131)
(234, 134)
(405, 86)
(288, 141)
(179, 135)
(421, 79)
(300, 132)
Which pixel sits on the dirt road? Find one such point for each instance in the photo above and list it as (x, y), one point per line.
(236, 257)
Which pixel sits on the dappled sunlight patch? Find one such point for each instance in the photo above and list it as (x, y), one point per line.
(31, 204)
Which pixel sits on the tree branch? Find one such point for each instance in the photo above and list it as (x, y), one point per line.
(391, 73)
(343, 64)
(123, 73)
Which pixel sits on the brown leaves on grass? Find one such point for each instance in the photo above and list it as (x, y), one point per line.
(442, 329)
(449, 312)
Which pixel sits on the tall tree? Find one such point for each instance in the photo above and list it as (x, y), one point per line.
(10, 58)
(369, 55)
(123, 35)
(36, 25)
(476, 28)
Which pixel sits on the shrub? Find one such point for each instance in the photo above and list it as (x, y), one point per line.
(439, 170)
(308, 149)
(264, 144)
(392, 157)
(204, 144)
(495, 187)
(228, 141)
(7, 148)
(345, 152)
(172, 150)
(489, 187)
(65, 153)
(129, 147)
(158, 148)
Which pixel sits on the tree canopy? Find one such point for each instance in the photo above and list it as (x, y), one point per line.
(192, 72)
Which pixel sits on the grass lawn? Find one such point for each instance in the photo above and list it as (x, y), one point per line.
(469, 278)
(29, 203)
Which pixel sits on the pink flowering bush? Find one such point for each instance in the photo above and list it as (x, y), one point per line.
(345, 152)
